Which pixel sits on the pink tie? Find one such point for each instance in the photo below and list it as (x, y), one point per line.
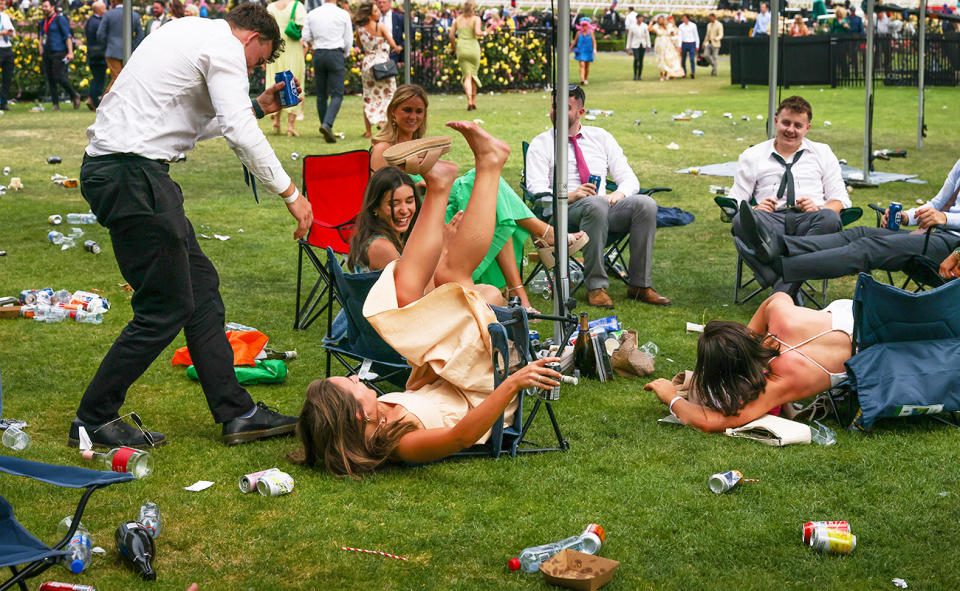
(581, 163)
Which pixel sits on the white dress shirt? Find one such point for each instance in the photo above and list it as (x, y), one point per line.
(689, 33)
(946, 192)
(185, 83)
(329, 27)
(6, 24)
(816, 175)
(601, 152)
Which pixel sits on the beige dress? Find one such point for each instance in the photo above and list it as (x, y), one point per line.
(444, 338)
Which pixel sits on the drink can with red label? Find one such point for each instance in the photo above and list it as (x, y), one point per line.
(835, 541)
(810, 526)
(55, 586)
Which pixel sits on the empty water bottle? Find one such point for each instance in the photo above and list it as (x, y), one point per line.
(80, 546)
(15, 438)
(149, 518)
(574, 273)
(87, 317)
(540, 284)
(55, 237)
(650, 348)
(822, 434)
(61, 296)
(588, 542)
(81, 218)
(45, 313)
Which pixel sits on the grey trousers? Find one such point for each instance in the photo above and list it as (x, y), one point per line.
(329, 71)
(824, 221)
(636, 214)
(859, 249)
(713, 53)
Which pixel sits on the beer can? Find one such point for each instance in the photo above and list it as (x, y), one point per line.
(834, 541)
(894, 215)
(810, 526)
(55, 220)
(724, 482)
(91, 246)
(288, 94)
(550, 395)
(54, 160)
(595, 180)
(274, 484)
(248, 482)
(56, 586)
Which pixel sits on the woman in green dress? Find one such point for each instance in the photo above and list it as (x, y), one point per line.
(291, 59)
(466, 31)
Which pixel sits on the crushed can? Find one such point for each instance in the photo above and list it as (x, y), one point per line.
(54, 160)
(834, 541)
(894, 215)
(274, 484)
(91, 246)
(289, 97)
(55, 220)
(725, 482)
(248, 482)
(810, 526)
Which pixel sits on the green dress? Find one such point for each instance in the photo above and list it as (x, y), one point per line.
(292, 56)
(510, 208)
(468, 52)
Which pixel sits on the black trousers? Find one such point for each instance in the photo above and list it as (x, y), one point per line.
(98, 67)
(329, 70)
(6, 64)
(638, 62)
(175, 287)
(55, 71)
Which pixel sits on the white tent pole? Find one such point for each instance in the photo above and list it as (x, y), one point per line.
(127, 30)
(921, 68)
(561, 134)
(868, 85)
(407, 16)
(773, 82)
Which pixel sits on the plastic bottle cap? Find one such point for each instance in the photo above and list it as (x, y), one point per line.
(76, 566)
(514, 564)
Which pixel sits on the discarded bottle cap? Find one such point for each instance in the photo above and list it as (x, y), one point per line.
(6, 170)
(295, 156)
(514, 564)
(55, 220)
(54, 160)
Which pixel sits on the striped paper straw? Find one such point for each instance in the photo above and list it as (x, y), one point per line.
(372, 552)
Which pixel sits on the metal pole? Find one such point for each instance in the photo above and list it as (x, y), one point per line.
(921, 68)
(868, 100)
(127, 30)
(773, 82)
(407, 15)
(561, 130)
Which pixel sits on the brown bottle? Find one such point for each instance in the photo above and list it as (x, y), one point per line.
(584, 357)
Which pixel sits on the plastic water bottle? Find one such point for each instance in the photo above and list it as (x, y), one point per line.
(45, 313)
(588, 542)
(149, 518)
(822, 434)
(61, 296)
(541, 284)
(87, 317)
(81, 218)
(15, 438)
(123, 459)
(574, 273)
(80, 546)
(55, 237)
(650, 348)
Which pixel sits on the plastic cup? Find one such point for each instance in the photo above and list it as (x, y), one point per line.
(16, 439)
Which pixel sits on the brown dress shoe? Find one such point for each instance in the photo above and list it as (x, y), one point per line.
(599, 298)
(628, 361)
(647, 295)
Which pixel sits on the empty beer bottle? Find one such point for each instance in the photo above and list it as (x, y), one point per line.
(136, 545)
(584, 357)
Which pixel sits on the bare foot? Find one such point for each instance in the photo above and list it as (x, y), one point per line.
(487, 149)
(440, 178)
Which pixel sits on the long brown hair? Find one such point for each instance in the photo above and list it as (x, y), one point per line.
(381, 186)
(333, 435)
(732, 366)
(403, 93)
(362, 15)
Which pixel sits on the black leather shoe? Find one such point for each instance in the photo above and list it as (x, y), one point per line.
(755, 235)
(265, 422)
(114, 434)
(767, 273)
(327, 134)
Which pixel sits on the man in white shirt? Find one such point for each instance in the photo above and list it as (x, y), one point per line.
(638, 41)
(6, 58)
(796, 184)
(329, 30)
(864, 248)
(593, 151)
(188, 81)
(689, 44)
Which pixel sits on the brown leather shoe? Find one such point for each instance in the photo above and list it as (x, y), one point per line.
(647, 295)
(599, 298)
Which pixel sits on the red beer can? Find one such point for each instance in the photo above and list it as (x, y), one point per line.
(810, 526)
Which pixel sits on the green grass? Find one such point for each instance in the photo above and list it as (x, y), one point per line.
(459, 522)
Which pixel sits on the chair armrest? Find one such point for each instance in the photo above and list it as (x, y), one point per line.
(728, 208)
(652, 190)
(879, 211)
(65, 476)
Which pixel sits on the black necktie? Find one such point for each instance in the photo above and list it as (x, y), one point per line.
(786, 183)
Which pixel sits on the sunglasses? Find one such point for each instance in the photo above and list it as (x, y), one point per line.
(136, 421)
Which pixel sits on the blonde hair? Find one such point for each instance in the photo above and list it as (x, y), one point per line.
(469, 8)
(192, 10)
(403, 93)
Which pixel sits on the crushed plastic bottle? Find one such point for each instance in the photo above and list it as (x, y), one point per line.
(540, 284)
(81, 218)
(45, 313)
(61, 296)
(149, 518)
(588, 542)
(822, 434)
(650, 348)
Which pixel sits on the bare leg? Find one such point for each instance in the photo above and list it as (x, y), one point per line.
(468, 89)
(366, 124)
(507, 263)
(586, 71)
(473, 92)
(291, 120)
(276, 122)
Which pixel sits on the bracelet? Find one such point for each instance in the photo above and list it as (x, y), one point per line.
(257, 109)
(956, 252)
(672, 402)
(292, 197)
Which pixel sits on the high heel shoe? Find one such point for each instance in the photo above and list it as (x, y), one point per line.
(406, 154)
(529, 309)
(293, 133)
(575, 242)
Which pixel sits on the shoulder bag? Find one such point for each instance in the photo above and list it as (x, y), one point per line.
(293, 30)
(384, 70)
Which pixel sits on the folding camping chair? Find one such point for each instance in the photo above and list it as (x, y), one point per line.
(334, 184)
(905, 347)
(617, 242)
(920, 270)
(17, 545)
(808, 291)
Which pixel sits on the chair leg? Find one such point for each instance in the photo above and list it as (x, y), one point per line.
(740, 285)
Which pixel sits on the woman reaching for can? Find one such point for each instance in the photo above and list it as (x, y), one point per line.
(786, 353)
(450, 402)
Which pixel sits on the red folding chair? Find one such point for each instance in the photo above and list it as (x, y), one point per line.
(334, 184)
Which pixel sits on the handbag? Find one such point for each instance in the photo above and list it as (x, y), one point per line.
(384, 70)
(293, 30)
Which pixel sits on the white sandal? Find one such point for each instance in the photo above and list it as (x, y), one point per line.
(575, 242)
(406, 155)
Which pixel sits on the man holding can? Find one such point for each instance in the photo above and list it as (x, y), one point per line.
(861, 249)
(188, 81)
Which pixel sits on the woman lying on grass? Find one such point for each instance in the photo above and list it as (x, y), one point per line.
(450, 403)
(786, 353)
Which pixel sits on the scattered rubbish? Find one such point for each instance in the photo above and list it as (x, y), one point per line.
(724, 482)
(681, 117)
(759, 117)
(697, 132)
(603, 112)
(55, 220)
(64, 181)
(54, 160)
(123, 459)
(694, 327)
(149, 518)
(478, 121)
(37, 109)
(673, 146)
(204, 236)
(136, 545)
(693, 92)
(811, 526)
(843, 161)
(739, 139)
(57, 586)
(697, 114)
(340, 135)
(832, 540)
(920, 201)
(649, 137)
(650, 348)
(719, 190)
(694, 170)
(944, 493)
(81, 218)
(248, 482)
(274, 484)
(578, 570)
(822, 434)
(827, 124)
(15, 184)
(15, 438)
(6, 171)
(728, 115)
(588, 542)
(900, 582)
(349, 549)
(745, 118)
(294, 155)
(80, 546)
(199, 486)
(91, 246)
(221, 237)
(637, 122)
(590, 117)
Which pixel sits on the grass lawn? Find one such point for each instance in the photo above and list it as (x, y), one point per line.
(459, 522)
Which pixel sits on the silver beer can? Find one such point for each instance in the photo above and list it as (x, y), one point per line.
(248, 482)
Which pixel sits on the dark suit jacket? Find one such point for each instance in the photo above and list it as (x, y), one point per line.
(110, 32)
(397, 32)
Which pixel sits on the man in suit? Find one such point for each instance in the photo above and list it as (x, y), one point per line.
(95, 54)
(110, 34)
(393, 20)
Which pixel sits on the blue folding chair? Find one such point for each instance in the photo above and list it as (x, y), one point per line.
(905, 347)
(17, 545)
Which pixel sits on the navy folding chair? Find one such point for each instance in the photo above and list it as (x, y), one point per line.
(920, 270)
(17, 545)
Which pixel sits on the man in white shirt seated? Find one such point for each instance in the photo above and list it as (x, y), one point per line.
(188, 81)
(689, 44)
(796, 184)
(593, 151)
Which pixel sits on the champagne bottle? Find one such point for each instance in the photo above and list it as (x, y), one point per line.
(124, 459)
(136, 545)
(584, 357)
(284, 355)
